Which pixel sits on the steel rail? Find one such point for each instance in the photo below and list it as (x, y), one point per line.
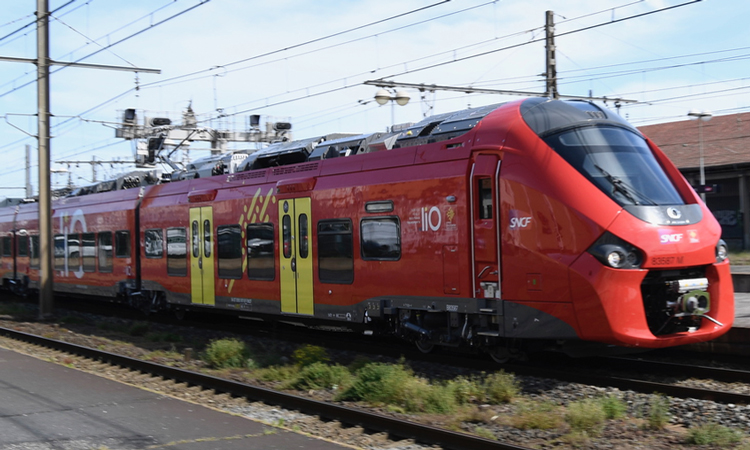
(369, 421)
(634, 384)
(680, 369)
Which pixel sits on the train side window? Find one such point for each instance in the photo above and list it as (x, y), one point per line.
(59, 252)
(303, 236)
(335, 251)
(380, 238)
(74, 251)
(88, 250)
(7, 246)
(207, 238)
(105, 251)
(485, 198)
(154, 243)
(122, 244)
(196, 240)
(34, 252)
(261, 258)
(177, 252)
(23, 246)
(229, 251)
(286, 231)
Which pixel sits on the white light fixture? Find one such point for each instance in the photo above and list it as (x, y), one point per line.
(383, 96)
(402, 98)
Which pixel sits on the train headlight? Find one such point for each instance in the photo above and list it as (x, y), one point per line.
(614, 252)
(722, 252)
(615, 258)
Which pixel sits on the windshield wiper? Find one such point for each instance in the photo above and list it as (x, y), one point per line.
(620, 186)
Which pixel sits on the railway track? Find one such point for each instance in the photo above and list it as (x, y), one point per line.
(591, 371)
(327, 411)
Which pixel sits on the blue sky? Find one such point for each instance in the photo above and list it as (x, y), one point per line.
(306, 61)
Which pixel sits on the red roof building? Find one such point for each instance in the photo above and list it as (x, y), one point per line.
(726, 159)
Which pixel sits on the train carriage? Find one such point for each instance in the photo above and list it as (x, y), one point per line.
(533, 224)
(95, 243)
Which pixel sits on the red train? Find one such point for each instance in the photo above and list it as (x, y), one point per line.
(532, 224)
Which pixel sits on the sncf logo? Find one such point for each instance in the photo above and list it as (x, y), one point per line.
(665, 237)
(519, 222)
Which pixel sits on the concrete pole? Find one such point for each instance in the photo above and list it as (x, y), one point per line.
(46, 275)
(29, 189)
(551, 74)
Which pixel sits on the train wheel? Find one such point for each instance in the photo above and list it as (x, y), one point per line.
(180, 314)
(425, 346)
(500, 355)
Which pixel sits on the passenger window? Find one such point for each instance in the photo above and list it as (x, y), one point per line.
(261, 261)
(207, 238)
(380, 238)
(485, 198)
(105, 252)
(229, 238)
(177, 252)
(59, 252)
(196, 240)
(23, 246)
(335, 251)
(154, 243)
(88, 252)
(34, 252)
(122, 244)
(74, 251)
(303, 237)
(286, 228)
(7, 246)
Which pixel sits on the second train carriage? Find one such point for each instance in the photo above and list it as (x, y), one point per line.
(536, 223)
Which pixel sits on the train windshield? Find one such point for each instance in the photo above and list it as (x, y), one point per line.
(617, 161)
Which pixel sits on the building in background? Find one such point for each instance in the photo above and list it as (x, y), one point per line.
(726, 160)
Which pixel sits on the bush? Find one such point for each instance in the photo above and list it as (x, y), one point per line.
(713, 434)
(395, 385)
(310, 354)
(586, 415)
(226, 353)
(537, 415)
(322, 376)
(377, 383)
(465, 389)
(501, 387)
(277, 373)
(614, 408)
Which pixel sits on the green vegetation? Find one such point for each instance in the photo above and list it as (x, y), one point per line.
(537, 415)
(321, 376)
(226, 353)
(501, 387)
(586, 416)
(658, 413)
(614, 408)
(713, 434)
(308, 354)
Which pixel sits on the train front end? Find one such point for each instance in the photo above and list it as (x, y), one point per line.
(643, 255)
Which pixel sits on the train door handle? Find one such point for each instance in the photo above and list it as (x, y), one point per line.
(294, 264)
(200, 263)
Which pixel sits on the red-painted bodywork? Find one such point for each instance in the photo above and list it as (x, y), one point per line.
(546, 216)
